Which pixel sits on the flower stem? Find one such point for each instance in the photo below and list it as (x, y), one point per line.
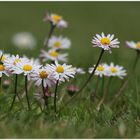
(0, 83)
(104, 94)
(49, 35)
(45, 97)
(99, 59)
(123, 86)
(55, 94)
(16, 80)
(26, 91)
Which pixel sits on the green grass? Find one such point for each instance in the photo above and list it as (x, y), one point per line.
(79, 119)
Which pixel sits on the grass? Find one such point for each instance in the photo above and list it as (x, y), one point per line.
(79, 119)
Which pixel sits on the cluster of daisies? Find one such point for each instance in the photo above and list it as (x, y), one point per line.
(48, 72)
(110, 70)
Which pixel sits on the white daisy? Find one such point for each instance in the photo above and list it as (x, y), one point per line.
(3, 70)
(133, 45)
(11, 63)
(116, 70)
(80, 71)
(24, 40)
(100, 71)
(62, 72)
(25, 67)
(4, 56)
(53, 56)
(55, 20)
(43, 74)
(59, 42)
(105, 42)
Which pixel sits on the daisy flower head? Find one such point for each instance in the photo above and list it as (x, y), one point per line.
(116, 70)
(62, 72)
(24, 40)
(26, 67)
(80, 71)
(133, 45)
(53, 55)
(59, 42)
(105, 42)
(100, 70)
(4, 56)
(55, 20)
(3, 70)
(44, 74)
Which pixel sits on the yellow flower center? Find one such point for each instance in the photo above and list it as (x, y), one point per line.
(59, 69)
(100, 68)
(56, 18)
(113, 69)
(105, 41)
(27, 67)
(3, 58)
(54, 54)
(43, 74)
(2, 68)
(57, 44)
(138, 45)
(16, 61)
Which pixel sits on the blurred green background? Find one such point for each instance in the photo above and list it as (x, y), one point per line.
(85, 20)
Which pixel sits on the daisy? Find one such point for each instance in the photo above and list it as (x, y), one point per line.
(105, 42)
(4, 56)
(24, 40)
(80, 71)
(55, 20)
(116, 70)
(3, 70)
(43, 74)
(11, 63)
(62, 72)
(133, 45)
(53, 55)
(100, 71)
(59, 42)
(26, 67)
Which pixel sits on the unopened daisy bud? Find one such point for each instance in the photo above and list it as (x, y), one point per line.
(7, 83)
(105, 42)
(72, 89)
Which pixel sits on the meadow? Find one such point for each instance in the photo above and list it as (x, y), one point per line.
(80, 118)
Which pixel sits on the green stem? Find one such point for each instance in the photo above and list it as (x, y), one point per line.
(16, 80)
(123, 86)
(104, 94)
(0, 83)
(49, 35)
(55, 95)
(45, 97)
(26, 91)
(98, 61)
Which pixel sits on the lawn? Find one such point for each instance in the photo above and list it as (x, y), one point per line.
(80, 118)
